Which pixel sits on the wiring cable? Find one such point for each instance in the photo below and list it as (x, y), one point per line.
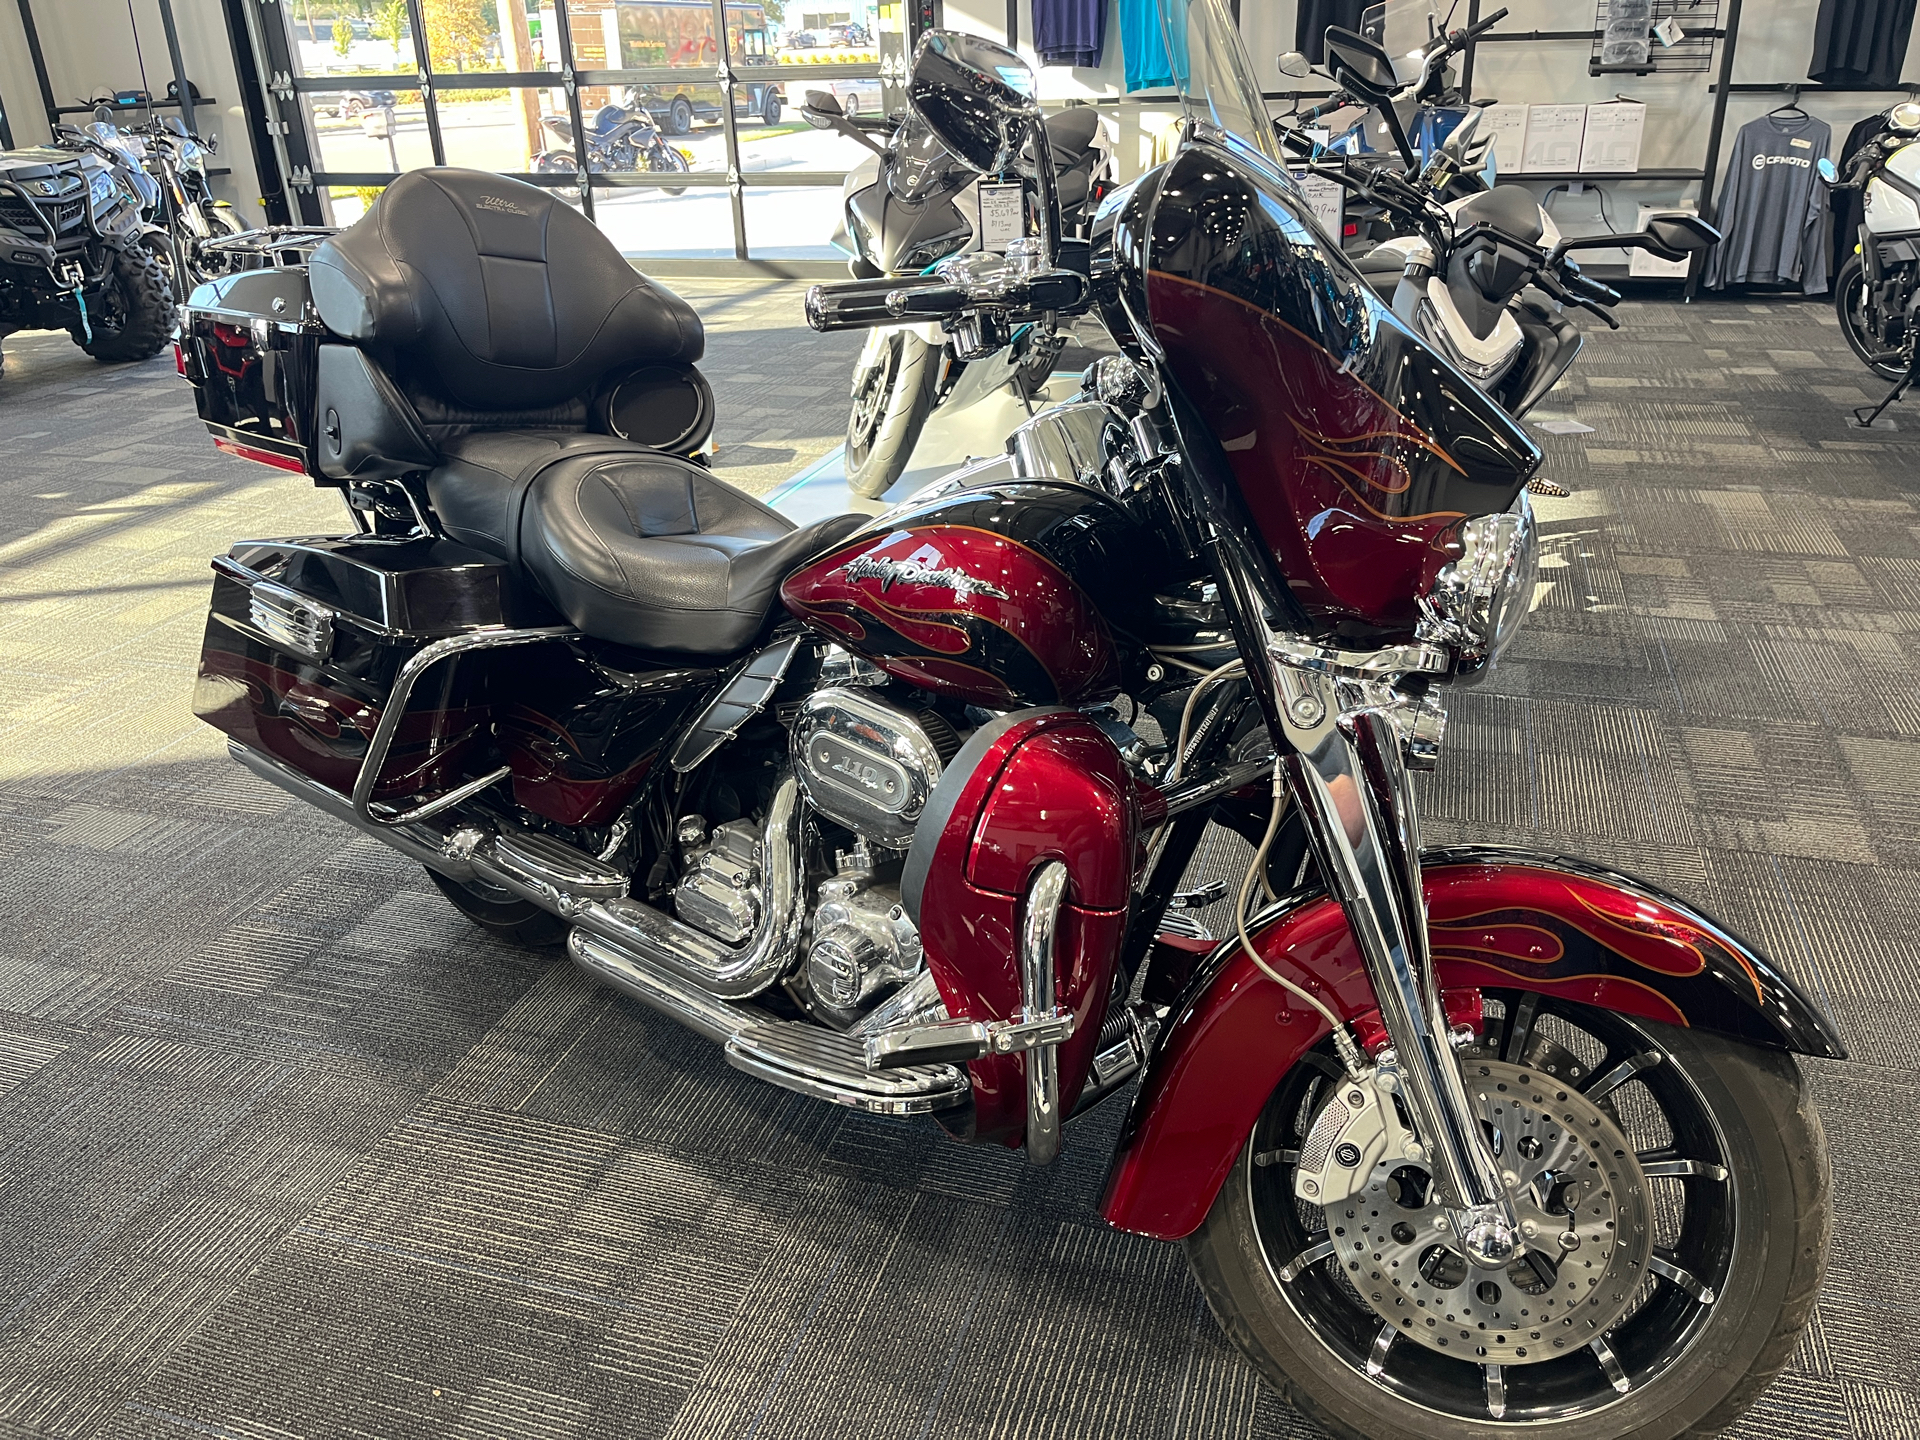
(1342, 1041)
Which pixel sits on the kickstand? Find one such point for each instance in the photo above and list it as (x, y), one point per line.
(1864, 419)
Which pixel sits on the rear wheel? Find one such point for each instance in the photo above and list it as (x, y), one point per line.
(892, 397)
(132, 315)
(1850, 303)
(502, 913)
(1679, 1189)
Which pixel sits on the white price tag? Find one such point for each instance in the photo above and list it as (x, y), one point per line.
(1003, 215)
(1327, 199)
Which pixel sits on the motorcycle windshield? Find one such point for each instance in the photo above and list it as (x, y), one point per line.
(1210, 69)
(1405, 28)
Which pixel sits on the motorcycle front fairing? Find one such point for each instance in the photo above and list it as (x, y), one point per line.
(1353, 452)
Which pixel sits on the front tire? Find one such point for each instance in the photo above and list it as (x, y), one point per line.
(503, 914)
(770, 111)
(132, 318)
(1849, 303)
(680, 117)
(893, 395)
(1689, 1367)
(669, 161)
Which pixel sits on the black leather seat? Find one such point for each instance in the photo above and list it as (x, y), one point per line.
(1510, 209)
(500, 312)
(631, 545)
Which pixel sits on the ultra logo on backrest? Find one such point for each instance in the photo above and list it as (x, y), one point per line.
(501, 204)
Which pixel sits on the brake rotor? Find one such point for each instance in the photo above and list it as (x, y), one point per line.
(1585, 1219)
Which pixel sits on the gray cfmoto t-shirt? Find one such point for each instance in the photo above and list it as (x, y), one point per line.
(1773, 206)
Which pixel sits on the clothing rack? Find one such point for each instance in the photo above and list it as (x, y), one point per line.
(1723, 85)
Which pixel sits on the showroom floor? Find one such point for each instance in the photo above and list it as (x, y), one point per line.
(288, 1150)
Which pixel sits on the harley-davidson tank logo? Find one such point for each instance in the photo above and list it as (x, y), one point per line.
(911, 572)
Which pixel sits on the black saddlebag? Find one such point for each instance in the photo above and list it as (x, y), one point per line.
(304, 640)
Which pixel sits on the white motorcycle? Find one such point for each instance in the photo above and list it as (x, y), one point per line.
(1878, 287)
(1486, 279)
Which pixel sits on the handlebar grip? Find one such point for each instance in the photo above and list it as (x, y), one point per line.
(927, 302)
(1593, 289)
(861, 304)
(1475, 31)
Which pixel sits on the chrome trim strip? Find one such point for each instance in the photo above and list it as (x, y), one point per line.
(1038, 931)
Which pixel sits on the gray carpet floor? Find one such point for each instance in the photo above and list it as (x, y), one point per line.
(288, 1150)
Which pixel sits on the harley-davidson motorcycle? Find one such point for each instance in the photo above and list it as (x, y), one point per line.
(899, 811)
(1877, 291)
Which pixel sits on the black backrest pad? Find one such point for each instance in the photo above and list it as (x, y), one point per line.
(495, 294)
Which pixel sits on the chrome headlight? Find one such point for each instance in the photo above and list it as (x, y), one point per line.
(1904, 117)
(1479, 601)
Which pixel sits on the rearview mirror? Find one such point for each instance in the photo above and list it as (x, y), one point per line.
(1681, 234)
(820, 110)
(104, 114)
(976, 97)
(1295, 64)
(1359, 64)
(1828, 171)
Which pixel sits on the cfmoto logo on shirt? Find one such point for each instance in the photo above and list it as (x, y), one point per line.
(1760, 162)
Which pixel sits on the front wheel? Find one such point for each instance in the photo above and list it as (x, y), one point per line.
(892, 397)
(680, 117)
(1677, 1190)
(1850, 304)
(132, 314)
(668, 161)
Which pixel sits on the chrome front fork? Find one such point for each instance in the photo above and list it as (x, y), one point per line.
(1350, 782)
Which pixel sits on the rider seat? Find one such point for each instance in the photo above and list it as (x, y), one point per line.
(489, 323)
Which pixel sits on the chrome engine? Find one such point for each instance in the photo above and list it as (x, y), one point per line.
(720, 892)
(863, 943)
(868, 764)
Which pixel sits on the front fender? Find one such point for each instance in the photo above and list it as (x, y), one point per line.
(1497, 919)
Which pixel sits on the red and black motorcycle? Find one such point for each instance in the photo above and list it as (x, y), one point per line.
(898, 810)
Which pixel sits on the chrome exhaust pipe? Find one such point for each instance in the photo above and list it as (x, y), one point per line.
(649, 939)
(612, 965)
(425, 843)
(657, 940)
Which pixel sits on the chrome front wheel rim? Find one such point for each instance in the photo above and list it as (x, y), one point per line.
(1674, 1182)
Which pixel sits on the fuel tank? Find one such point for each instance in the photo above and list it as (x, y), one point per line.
(1354, 452)
(1014, 594)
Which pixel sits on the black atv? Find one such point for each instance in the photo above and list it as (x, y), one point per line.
(76, 254)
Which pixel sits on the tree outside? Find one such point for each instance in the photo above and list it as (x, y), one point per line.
(457, 31)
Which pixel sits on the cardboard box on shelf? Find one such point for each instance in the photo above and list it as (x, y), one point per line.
(1553, 138)
(1611, 144)
(1507, 124)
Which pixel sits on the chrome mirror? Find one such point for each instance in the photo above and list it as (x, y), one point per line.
(977, 98)
(1295, 64)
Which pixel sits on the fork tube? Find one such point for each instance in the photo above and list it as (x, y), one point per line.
(1352, 788)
